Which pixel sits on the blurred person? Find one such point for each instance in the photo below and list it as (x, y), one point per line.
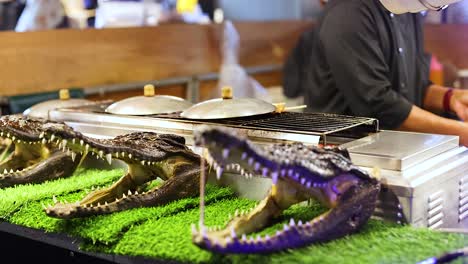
(42, 15)
(10, 12)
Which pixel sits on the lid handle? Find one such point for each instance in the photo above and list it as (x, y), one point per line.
(226, 92)
(64, 94)
(148, 90)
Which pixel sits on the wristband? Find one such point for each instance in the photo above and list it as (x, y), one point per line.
(446, 103)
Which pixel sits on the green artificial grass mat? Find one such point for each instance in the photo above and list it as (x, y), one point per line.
(107, 229)
(11, 199)
(164, 232)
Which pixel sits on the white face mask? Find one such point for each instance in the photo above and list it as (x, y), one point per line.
(414, 6)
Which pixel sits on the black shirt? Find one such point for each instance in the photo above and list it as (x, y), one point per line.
(366, 61)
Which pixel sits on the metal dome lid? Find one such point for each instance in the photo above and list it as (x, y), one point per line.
(228, 107)
(148, 104)
(41, 110)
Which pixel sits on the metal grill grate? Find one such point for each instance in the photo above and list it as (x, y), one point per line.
(304, 122)
(319, 124)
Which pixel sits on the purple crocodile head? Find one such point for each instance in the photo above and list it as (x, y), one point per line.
(298, 173)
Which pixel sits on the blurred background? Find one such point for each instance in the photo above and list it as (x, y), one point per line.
(22, 15)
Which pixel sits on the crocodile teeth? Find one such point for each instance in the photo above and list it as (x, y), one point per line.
(101, 153)
(123, 154)
(219, 172)
(116, 154)
(130, 155)
(233, 232)
(5, 171)
(243, 156)
(81, 142)
(87, 147)
(64, 144)
(143, 162)
(11, 171)
(203, 231)
(124, 196)
(129, 192)
(44, 141)
(73, 154)
(274, 177)
(109, 158)
(226, 153)
(291, 222)
(257, 166)
(136, 192)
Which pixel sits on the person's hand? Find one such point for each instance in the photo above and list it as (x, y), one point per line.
(459, 104)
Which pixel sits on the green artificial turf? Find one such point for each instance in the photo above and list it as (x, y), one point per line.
(163, 232)
(11, 199)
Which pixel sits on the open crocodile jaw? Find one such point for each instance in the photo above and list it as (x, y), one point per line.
(34, 159)
(295, 171)
(149, 156)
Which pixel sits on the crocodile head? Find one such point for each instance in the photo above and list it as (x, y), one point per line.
(32, 158)
(298, 173)
(148, 155)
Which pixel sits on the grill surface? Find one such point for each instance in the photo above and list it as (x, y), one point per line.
(320, 124)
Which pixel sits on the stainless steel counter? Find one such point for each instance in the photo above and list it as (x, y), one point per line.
(425, 177)
(396, 150)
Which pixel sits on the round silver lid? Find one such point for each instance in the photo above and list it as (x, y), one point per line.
(228, 107)
(148, 104)
(41, 110)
